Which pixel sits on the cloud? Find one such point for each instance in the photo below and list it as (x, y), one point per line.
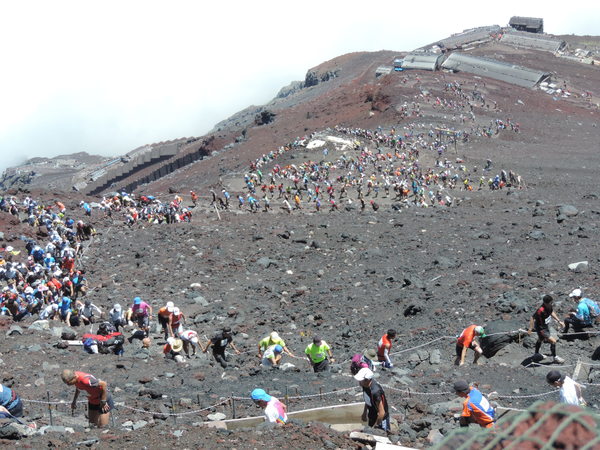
(107, 77)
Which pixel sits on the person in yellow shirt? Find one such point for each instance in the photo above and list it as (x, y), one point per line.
(318, 353)
(272, 339)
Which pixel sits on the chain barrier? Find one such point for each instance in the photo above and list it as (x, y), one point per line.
(406, 391)
(187, 413)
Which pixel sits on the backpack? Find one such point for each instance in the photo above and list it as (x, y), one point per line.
(593, 307)
(357, 363)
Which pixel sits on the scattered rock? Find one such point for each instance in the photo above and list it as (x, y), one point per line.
(581, 266)
(216, 416)
(14, 330)
(567, 210)
(40, 325)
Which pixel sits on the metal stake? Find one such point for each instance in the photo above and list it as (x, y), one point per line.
(173, 409)
(50, 408)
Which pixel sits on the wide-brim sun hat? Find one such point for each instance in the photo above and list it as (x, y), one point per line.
(177, 345)
(370, 353)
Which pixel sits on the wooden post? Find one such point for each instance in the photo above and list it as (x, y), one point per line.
(233, 406)
(218, 215)
(50, 408)
(321, 393)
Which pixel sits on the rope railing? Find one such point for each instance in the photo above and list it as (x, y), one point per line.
(405, 392)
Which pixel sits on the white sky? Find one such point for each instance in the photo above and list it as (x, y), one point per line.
(108, 76)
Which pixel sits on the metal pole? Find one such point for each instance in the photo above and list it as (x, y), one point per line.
(49, 408)
(173, 409)
(287, 401)
(233, 406)
(321, 393)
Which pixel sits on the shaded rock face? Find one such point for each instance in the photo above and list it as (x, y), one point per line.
(313, 77)
(264, 117)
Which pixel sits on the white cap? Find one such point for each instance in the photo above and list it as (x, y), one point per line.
(9, 249)
(171, 340)
(176, 311)
(274, 335)
(364, 374)
(575, 293)
(170, 305)
(117, 307)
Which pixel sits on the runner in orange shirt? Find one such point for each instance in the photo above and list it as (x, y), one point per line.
(476, 407)
(384, 346)
(467, 340)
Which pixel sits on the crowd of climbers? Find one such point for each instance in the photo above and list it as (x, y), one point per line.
(378, 165)
(48, 283)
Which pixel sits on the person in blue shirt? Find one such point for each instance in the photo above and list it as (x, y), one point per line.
(581, 317)
(86, 206)
(10, 403)
(64, 307)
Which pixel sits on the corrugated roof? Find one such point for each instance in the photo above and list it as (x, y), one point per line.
(529, 40)
(425, 61)
(383, 70)
(509, 73)
(468, 36)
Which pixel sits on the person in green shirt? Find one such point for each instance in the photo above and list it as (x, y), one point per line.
(318, 353)
(272, 339)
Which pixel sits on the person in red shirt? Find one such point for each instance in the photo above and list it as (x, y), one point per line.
(194, 197)
(176, 321)
(99, 399)
(467, 340)
(384, 346)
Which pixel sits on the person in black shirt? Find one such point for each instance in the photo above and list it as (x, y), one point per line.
(376, 406)
(539, 322)
(219, 343)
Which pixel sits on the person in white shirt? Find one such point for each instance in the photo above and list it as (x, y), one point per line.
(49, 312)
(189, 338)
(116, 316)
(87, 310)
(570, 390)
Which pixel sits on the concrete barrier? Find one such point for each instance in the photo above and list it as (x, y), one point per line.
(337, 414)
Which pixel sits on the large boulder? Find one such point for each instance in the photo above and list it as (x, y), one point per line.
(499, 334)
